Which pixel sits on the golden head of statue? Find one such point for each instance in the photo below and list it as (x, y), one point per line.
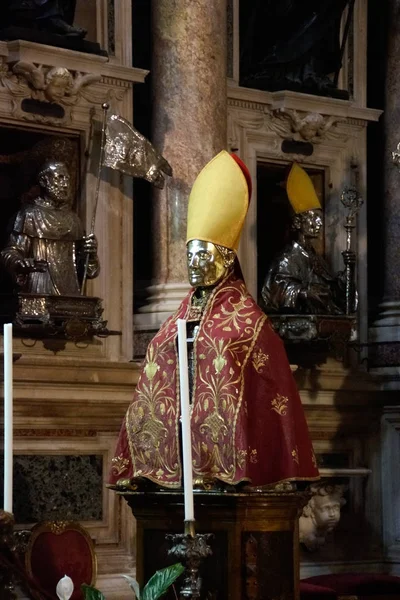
(217, 209)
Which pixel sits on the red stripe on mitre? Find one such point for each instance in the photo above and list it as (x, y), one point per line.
(245, 172)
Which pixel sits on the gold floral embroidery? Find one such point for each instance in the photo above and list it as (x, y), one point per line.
(259, 359)
(151, 434)
(279, 403)
(295, 455)
(152, 421)
(237, 316)
(215, 423)
(151, 367)
(119, 464)
(313, 458)
(253, 456)
(241, 458)
(219, 362)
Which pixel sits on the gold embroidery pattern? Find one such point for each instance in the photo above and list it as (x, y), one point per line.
(151, 366)
(219, 362)
(241, 458)
(153, 453)
(253, 456)
(216, 424)
(295, 455)
(119, 464)
(227, 341)
(259, 360)
(314, 458)
(279, 405)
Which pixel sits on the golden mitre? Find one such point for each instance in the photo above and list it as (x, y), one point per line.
(219, 201)
(300, 190)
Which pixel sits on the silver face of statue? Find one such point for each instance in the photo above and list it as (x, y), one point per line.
(205, 263)
(56, 182)
(311, 223)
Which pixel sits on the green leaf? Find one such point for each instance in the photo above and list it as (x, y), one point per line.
(158, 585)
(134, 585)
(91, 593)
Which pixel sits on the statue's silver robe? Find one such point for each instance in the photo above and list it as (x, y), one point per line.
(300, 282)
(46, 233)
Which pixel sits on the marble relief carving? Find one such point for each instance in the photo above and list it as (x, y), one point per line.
(310, 127)
(51, 92)
(321, 515)
(54, 84)
(286, 123)
(47, 84)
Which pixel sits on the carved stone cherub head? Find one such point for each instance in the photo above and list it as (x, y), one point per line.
(207, 263)
(321, 514)
(58, 83)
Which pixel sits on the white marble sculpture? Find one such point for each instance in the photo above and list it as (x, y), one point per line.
(321, 514)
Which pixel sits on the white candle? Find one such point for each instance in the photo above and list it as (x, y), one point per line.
(8, 417)
(185, 419)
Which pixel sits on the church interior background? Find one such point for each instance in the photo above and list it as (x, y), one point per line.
(181, 73)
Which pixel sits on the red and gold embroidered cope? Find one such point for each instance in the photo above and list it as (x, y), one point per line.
(247, 421)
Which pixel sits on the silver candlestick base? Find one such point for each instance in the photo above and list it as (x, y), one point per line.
(190, 548)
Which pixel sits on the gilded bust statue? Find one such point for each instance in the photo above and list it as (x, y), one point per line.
(239, 375)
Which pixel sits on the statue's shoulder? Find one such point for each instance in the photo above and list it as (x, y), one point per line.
(29, 219)
(25, 218)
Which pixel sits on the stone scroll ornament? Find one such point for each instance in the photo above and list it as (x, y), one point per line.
(126, 150)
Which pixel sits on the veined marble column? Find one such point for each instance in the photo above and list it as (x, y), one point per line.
(386, 329)
(189, 128)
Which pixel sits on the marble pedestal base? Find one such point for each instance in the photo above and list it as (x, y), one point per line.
(255, 544)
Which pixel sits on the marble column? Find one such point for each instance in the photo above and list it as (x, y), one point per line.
(385, 355)
(189, 128)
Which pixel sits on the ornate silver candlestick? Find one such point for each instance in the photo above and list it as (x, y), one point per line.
(351, 200)
(190, 548)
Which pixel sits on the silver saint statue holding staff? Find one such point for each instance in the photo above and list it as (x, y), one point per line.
(299, 280)
(47, 248)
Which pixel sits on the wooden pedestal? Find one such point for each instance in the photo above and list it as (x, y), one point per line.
(255, 544)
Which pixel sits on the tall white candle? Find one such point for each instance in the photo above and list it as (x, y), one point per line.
(8, 417)
(185, 420)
